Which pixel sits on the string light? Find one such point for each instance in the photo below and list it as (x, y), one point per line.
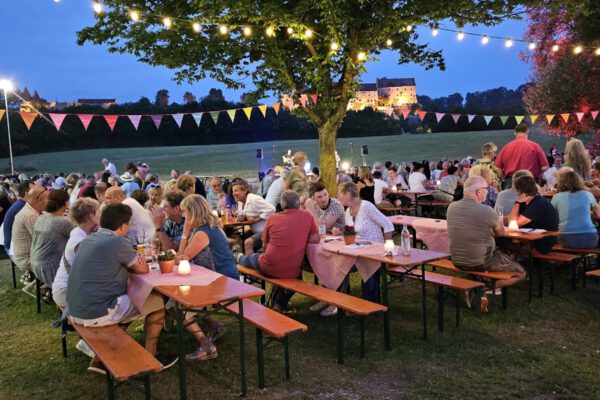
(97, 7)
(597, 52)
(409, 28)
(270, 31)
(247, 31)
(196, 27)
(361, 56)
(167, 22)
(334, 46)
(555, 48)
(435, 32)
(290, 30)
(577, 50)
(485, 40)
(308, 33)
(508, 44)
(388, 42)
(134, 15)
(531, 46)
(223, 29)
(460, 36)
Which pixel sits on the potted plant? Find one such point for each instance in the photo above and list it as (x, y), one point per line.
(166, 261)
(349, 234)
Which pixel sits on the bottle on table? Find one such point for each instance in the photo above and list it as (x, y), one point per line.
(322, 226)
(405, 243)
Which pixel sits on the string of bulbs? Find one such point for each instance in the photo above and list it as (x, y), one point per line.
(308, 34)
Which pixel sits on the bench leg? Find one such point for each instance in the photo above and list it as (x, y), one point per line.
(361, 321)
(260, 358)
(286, 352)
(574, 275)
(38, 299)
(14, 273)
(340, 321)
(63, 337)
(386, 315)
(423, 306)
(540, 272)
(263, 298)
(440, 298)
(110, 387)
(479, 295)
(457, 305)
(584, 265)
(493, 287)
(530, 276)
(147, 388)
(242, 348)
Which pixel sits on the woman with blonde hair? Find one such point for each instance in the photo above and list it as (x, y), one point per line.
(155, 197)
(487, 174)
(296, 179)
(187, 184)
(366, 184)
(577, 158)
(489, 150)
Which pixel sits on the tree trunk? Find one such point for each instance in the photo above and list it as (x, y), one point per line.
(327, 145)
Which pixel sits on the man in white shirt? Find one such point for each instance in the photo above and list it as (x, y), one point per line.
(550, 173)
(110, 167)
(254, 209)
(275, 190)
(380, 188)
(417, 179)
(395, 179)
(142, 227)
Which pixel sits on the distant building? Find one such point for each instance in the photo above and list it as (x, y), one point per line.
(396, 92)
(104, 103)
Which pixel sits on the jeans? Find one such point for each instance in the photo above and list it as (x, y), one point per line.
(370, 288)
(280, 296)
(579, 240)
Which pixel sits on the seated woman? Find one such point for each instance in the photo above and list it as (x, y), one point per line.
(533, 211)
(155, 195)
(573, 204)
(448, 185)
(366, 186)
(487, 174)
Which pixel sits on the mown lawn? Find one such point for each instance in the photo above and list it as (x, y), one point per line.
(547, 349)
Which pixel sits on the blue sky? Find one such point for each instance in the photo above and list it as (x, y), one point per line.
(39, 51)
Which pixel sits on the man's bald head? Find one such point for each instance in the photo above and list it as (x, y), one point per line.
(37, 197)
(114, 195)
(473, 183)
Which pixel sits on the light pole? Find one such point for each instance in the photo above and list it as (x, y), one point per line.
(7, 86)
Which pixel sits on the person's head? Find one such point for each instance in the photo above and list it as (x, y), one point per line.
(520, 173)
(377, 165)
(197, 212)
(489, 150)
(417, 166)
(319, 194)
(100, 191)
(240, 189)
(216, 185)
(170, 186)
(187, 184)
(446, 164)
(114, 195)
(84, 211)
(270, 172)
(105, 162)
(525, 185)
(23, 189)
(476, 188)
(131, 168)
(316, 171)
(392, 172)
(171, 204)
(58, 201)
(569, 181)
(299, 159)
(521, 130)
(117, 218)
(155, 194)
(37, 197)
(289, 200)
(452, 170)
(365, 173)
(377, 174)
(140, 196)
(347, 193)
(174, 173)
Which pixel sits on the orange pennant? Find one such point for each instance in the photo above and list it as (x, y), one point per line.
(276, 106)
(28, 118)
(422, 114)
(549, 117)
(111, 120)
(533, 118)
(2, 114)
(565, 116)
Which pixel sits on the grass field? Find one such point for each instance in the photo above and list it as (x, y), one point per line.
(547, 349)
(239, 159)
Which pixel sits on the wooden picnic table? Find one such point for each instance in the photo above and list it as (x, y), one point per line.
(234, 223)
(432, 231)
(415, 194)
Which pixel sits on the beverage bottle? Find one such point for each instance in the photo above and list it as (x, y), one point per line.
(405, 246)
(322, 226)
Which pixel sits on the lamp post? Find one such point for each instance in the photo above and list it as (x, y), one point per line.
(7, 86)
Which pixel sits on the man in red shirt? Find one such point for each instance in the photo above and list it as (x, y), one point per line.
(284, 238)
(521, 153)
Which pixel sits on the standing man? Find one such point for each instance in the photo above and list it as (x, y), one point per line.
(521, 153)
(110, 167)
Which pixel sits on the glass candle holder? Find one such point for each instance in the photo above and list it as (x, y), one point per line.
(184, 267)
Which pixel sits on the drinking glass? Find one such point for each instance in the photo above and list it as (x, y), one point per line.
(500, 214)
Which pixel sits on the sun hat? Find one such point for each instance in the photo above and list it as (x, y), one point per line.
(126, 177)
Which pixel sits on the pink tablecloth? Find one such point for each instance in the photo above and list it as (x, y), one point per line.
(332, 261)
(141, 285)
(433, 232)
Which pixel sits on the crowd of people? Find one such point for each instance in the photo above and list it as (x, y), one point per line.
(76, 233)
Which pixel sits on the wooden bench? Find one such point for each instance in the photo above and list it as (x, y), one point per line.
(595, 273)
(551, 259)
(121, 355)
(492, 276)
(441, 281)
(344, 302)
(583, 253)
(387, 210)
(277, 326)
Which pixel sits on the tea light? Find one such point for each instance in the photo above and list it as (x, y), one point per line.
(513, 226)
(215, 213)
(395, 188)
(184, 288)
(389, 246)
(184, 267)
(438, 182)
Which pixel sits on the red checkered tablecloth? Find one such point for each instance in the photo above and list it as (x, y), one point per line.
(433, 232)
(141, 285)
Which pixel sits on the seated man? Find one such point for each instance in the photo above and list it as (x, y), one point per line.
(284, 238)
(168, 220)
(214, 192)
(254, 209)
(97, 287)
(506, 198)
(471, 228)
(323, 208)
(141, 228)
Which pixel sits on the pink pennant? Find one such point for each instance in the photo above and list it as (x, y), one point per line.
(303, 100)
(389, 111)
(594, 114)
(422, 114)
(314, 98)
(579, 116)
(135, 120)
(456, 117)
(405, 113)
(57, 119)
(178, 119)
(157, 119)
(439, 116)
(85, 120)
(111, 120)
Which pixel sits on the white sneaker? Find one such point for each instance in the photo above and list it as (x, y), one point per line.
(330, 311)
(318, 307)
(498, 292)
(85, 349)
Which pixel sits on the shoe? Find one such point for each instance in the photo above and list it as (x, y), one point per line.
(318, 307)
(330, 311)
(497, 292)
(469, 297)
(85, 349)
(27, 277)
(170, 317)
(236, 248)
(97, 367)
(30, 289)
(167, 360)
(47, 297)
(484, 304)
(217, 333)
(202, 354)
(237, 255)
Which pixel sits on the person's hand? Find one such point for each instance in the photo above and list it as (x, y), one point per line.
(335, 231)
(187, 228)
(180, 257)
(158, 216)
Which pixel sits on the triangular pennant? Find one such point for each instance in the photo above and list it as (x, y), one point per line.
(357, 106)
(231, 114)
(405, 113)
(157, 119)
(263, 110)
(565, 116)
(85, 120)
(503, 119)
(283, 101)
(439, 116)
(389, 111)
(374, 107)
(248, 112)
(135, 120)
(1, 114)
(314, 98)
(111, 120)
(28, 118)
(215, 116)
(533, 118)
(276, 106)
(197, 118)
(579, 116)
(422, 114)
(456, 117)
(470, 118)
(594, 114)
(549, 117)
(303, 100)
(519, 118)
(488, 118)
(178, 119)
(57, 119)
(289, 103)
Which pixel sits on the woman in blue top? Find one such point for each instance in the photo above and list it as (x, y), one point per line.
(573, 204)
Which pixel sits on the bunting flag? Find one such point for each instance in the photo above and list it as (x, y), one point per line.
(248, 112)
(85, 120)
(2, 114)
(389, 111)
(197, 118)
(504, 119)
(519, 118)
(579, 116)
(263, 110)
(215, 116)
(157, 119)
(111, 120)
(178, 119)
(439, 116)
(533, 118)
(565, 116)
(374, 107)
(28, 118)
(57, 119)
(231, 114)
(456, 117)
(276, 106)
(303, 100)
(549, 117)
(135, 120)
(488, 118)
(405, 113)
(314, 98)
(470, 117)
(594, 115)
(290, 104)
(422, 114)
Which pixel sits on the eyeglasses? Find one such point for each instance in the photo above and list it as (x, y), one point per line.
(486, 188)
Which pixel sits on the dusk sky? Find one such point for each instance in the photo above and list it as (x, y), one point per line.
(39, 51)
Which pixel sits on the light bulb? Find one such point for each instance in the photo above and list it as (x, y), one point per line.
(196, 27)
(269, 31)
(308, 33)
(435, 32)
(247, 31)
(485, 40)
(409, 28)
(597, 52)
(555, 48)
(361, 56)
(388, 42)
(134, 15)
(532, 46)
(578, 50)
(460, 36)
(508, 44)
(223, 29)
(97, 7)
(334, 46)
(6, 85)
(290, 30)
(167, 22)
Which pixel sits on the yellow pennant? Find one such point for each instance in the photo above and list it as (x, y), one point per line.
(263, 110)
(231, 114)
(2, 114)
(549, 117)
(248, 112)
(533, 118)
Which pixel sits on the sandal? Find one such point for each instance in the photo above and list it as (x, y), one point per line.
(47, 297)
(202, 354)
(217, 333)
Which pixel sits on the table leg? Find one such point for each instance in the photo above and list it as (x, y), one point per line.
(423, 308)
(181, 351)
(386, 314)
(242, 348)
